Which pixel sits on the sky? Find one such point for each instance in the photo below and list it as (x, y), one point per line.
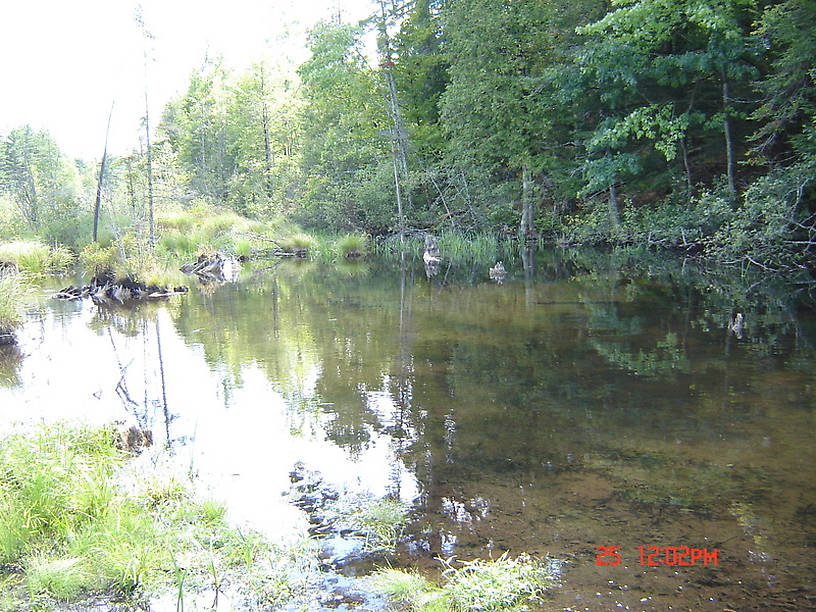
(63, 63)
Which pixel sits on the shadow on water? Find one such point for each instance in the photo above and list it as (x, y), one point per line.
(587, 399)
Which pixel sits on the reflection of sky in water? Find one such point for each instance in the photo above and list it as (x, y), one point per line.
(238, 437)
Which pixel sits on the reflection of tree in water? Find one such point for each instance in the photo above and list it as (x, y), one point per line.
(655, 306)
(492, 388)
(128, 319)
(139, 321)
(10, 359)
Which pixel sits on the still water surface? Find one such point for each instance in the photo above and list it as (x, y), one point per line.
(582, 404)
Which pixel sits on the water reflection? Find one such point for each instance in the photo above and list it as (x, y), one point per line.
(10, 358)
(584, 402)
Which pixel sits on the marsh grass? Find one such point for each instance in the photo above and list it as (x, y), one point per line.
(29, 256)
(61, 260)
(11, 303)
(300, 242)
(503, 584)
(454, 247)
(352, 245)
(80, 521)
(186, 234)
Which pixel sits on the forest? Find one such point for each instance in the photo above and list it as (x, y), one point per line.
(683, 125)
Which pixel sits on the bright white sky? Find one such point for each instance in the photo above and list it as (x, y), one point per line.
(62, 62)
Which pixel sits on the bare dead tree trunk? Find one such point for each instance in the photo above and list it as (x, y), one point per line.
(131, 189)
(267, 143)
(147, 36)
(399, 137)
(151, 226)
(527, 229)
(399, 199)
(614, 206)
(729, 142)
(686, 164)
(98, 204)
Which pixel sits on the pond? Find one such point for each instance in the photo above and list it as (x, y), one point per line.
(585, 402)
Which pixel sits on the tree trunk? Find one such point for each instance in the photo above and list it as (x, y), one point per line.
(131, 189)
(527, 229)
(686, 164)
(267, 143)
(729, 142)
(98, 204)
(399, 200)
(614, 207)
(151, 226)
(145, 37)
(400, 140)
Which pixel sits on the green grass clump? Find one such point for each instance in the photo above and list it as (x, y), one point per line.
(180, 221)
(299, 242)
(29, 256)
(11, 304)
(243, 248)
(61, 260)
(503, 584)
(178, 244)
(455, 247)
(352, 245)
(222, 223)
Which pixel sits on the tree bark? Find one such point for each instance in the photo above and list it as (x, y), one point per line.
(686, 164)
(527, 229)
(151, 226)
(729, 142)
(267, 143)
(400, 140)
(614, 207)
(147, 36)
(98, 204)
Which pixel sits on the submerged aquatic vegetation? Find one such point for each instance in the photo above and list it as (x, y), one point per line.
(503, 584)
(379, 521)
(77, 524)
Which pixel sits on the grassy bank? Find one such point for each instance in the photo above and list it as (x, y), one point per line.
(35, 258)
(11, 306)
(80, 524)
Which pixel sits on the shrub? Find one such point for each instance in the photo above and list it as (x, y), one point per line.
(97, 260)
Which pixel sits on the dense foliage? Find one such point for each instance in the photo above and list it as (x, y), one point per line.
(689, 125)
